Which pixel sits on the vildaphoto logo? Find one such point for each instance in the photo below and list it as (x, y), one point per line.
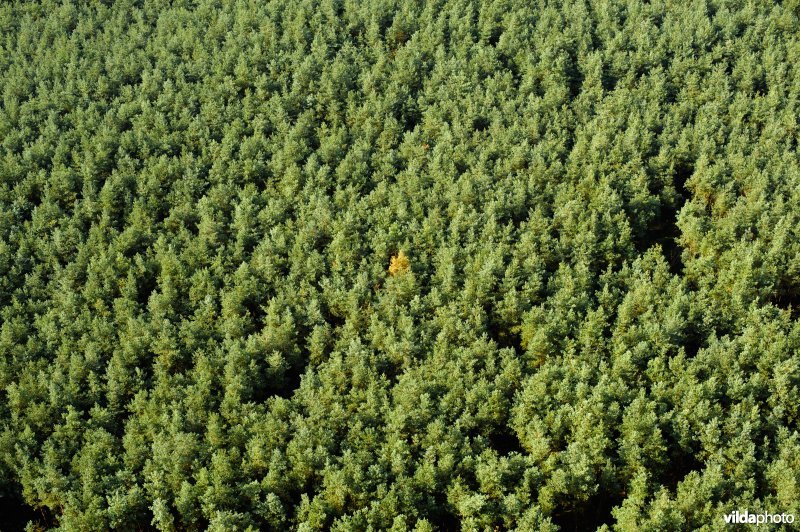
(745, 517)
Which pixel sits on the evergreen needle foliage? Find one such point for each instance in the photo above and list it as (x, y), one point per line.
(207, 321)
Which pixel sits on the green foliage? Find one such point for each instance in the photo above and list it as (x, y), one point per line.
(399, 265)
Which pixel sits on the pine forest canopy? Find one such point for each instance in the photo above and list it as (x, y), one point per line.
(398, 264)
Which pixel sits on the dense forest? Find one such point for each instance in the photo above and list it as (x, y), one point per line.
(398, 264)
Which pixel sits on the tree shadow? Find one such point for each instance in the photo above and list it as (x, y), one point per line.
(591, 515)
(663, 230)
(15, 514)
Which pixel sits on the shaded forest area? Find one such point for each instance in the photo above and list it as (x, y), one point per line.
(398, 264)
